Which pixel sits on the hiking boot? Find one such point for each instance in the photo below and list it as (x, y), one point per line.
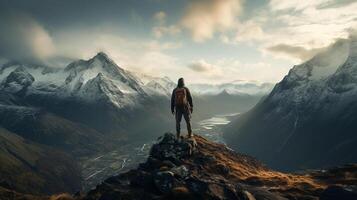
(177, 136)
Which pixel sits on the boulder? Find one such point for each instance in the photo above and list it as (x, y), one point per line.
(180, 171)
(169, 148)
(164, 181)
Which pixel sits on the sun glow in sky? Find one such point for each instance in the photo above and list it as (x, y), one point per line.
(205, 41)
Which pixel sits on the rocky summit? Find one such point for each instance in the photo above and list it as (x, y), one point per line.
(196, 168)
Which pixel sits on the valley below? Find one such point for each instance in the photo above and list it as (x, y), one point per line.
(103, 122)
(99, 167)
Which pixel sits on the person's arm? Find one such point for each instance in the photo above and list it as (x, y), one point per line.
(173, 101)
(189, 98)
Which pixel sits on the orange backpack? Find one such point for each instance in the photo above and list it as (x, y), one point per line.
(180, 97)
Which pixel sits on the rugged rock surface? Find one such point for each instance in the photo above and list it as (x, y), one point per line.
(196, 168)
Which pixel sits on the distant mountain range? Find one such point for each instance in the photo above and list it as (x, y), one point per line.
(310, 118)
(235, 88)
(89, 107)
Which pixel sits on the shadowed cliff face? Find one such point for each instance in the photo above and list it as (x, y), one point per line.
(309, 119)
(195, 168)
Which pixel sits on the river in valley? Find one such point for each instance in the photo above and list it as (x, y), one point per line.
(97, 168)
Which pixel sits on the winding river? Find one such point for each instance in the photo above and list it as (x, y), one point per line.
(98, 168)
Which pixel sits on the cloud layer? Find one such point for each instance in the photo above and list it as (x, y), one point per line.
(23, 38)
(202, 40)
(226, 70)
(302, 29)
(294, 51)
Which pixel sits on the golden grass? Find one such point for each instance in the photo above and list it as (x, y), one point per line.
(247, 169)
(63, 196)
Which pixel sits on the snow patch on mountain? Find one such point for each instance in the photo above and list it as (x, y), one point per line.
(163, 86)
(88, 80)
(17, 80)
(101, 88)
(323, 64)
(80, 72)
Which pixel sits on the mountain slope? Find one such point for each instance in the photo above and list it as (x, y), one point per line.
(32, 168)
(37, 124)
(309, 119)
(96, 93)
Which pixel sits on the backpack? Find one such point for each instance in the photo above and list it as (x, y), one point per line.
(180, 97)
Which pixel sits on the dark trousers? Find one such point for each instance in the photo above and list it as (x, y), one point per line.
(185, 112)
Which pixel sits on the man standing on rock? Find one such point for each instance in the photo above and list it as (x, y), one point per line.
(181, 104)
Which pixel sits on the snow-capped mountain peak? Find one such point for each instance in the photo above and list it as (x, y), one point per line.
(102, 56)
(81, 79)
(17, 80)
(84, 70)
(323, 64)
(317, 99)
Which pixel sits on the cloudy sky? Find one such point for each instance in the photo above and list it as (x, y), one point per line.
(205, 41)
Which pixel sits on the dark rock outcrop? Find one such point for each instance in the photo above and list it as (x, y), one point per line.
(170, 172)
(195, 168)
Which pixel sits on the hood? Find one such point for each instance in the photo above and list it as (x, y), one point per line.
(180, 82)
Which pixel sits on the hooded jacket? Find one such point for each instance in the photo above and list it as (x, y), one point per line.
(181, 84)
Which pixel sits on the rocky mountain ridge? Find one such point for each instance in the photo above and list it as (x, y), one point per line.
(195, 168)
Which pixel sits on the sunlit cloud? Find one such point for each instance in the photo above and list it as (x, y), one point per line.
(297, 30)
(202, 66)
(295, 4)
(203, 18)
(249, 31)
(294, 52)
